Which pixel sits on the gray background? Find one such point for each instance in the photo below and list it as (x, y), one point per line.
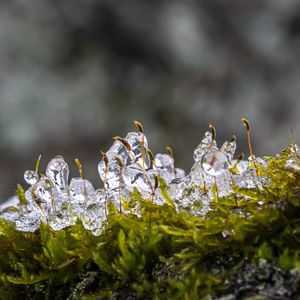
(75, 73)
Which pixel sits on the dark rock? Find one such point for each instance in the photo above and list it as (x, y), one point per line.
(264, 280)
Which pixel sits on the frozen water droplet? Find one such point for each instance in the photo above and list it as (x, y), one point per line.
(104, 197)
(239, 167)
(80, 189)
(247, 179)
(225, 234)
(200, 202)
(198, 177)
(43, 210)
(139, 144)
(261, 162)
(82, 192)
(293, 161)
(112, 174)
(100, 197)
(29, 194)
(9, 214)
(179, 173)
(58, 172)
(135, 140)
(94, 215)
(206, 143)
(44, 191)
(197, 174)
(62, 219)
(62, 199)
(214, 162)
(255, 162)
(118, 149)
(135, 177)
(158, 198)
(241, 212)
(224, 184)
(176, 189)
(164, 165)
(163, 173)
(229, 148)
(28, 222)
(31, 177)
(164, 161)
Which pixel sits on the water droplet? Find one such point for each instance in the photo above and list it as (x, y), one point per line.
(58, 172)
(214, 162)
(31, 177)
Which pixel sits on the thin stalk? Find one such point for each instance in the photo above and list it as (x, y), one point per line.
(79, 166)
(118, 159)
(105, 159)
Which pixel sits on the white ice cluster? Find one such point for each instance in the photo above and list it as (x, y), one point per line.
(52, 199)
(214, 173)
(126, 166)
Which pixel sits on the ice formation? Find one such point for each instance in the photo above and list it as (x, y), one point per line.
(126, 166)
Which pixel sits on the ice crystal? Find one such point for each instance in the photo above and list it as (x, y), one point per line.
(58, 172)
(31, 177)
(214, 162)
(127, 167)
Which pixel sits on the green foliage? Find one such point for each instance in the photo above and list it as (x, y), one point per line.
(162, 254)
(21, 194)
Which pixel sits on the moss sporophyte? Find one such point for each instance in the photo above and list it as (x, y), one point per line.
(152, 232)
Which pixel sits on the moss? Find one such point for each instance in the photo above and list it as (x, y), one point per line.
(163, 254)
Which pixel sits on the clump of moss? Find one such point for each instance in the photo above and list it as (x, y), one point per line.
(163, 253)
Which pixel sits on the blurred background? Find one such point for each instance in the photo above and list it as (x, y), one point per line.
(75, 73)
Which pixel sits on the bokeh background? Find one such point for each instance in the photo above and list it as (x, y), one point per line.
(75, 73)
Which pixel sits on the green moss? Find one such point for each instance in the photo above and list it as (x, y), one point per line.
(163, 254)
